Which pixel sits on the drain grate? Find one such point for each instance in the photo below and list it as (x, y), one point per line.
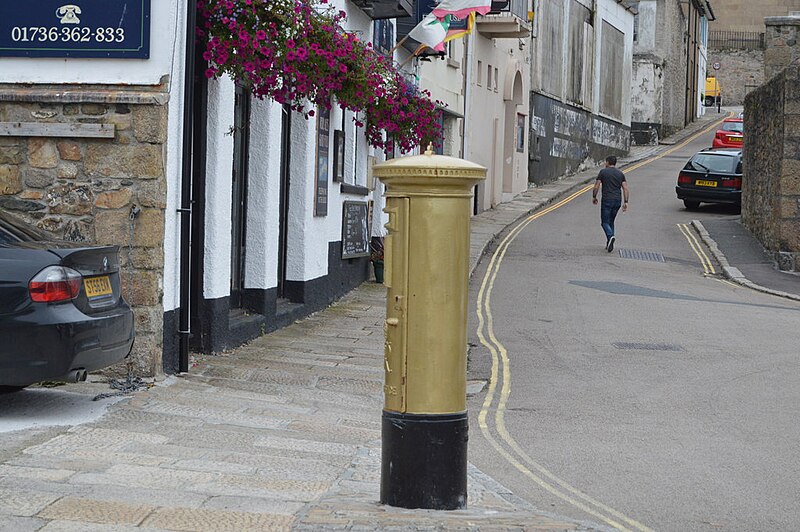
(636, 346)
(638, 254)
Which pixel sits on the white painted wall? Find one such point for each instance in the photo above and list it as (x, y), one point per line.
(702, 70)
(166, 47)
(173, 165)
(487, 109)
(647, 91)
(219, 173)
(308, 235)
(308, 242)
(263, 195)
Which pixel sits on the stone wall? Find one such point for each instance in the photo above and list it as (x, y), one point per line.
(671, 40)
(83, 189)
(771, 181)
(747, 15)
(740, 72)
(783, 48)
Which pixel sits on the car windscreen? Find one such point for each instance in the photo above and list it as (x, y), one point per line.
(733, 126)
(709, 162)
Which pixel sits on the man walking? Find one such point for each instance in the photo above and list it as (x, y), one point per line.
(614, 187)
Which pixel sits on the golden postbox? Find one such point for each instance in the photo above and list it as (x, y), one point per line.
(429, 203)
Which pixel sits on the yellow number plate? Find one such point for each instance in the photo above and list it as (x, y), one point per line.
(735, 139)
(701, 183)
(97, 286)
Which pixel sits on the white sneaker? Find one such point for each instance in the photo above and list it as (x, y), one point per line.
(610, 245)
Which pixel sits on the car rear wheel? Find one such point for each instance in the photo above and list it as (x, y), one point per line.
(10, 389)
(691, 205)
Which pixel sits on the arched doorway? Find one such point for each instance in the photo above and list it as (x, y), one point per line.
(514, 132)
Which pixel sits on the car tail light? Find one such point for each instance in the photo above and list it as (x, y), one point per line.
(685, 179)
(55, 283)
(732, 183)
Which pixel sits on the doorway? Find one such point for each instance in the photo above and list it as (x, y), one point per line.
(283, 212)
(241, 149)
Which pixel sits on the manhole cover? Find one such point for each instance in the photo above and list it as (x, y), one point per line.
(638, 254)
(637, 346)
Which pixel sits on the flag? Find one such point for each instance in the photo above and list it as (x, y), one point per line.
(431, 31)
(460, 28)
(461, 8)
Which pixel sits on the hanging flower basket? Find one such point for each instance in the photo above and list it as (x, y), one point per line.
(298, 53)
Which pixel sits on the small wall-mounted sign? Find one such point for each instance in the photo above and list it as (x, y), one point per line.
(355, 229)
(75, 28)
(716, 66)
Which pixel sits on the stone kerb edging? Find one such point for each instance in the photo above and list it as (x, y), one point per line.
(732, 273)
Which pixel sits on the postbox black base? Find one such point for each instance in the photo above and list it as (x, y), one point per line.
(424, 460)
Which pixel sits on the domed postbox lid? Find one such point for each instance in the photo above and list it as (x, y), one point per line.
(429, 169)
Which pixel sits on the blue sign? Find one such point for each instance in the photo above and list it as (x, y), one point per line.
(75, 28)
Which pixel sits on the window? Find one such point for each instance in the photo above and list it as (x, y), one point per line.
(520, 133)
(612, 57)
(489, 77)
(551, 22)
(480, 73)
(713, 163)
(733, 126)
(580, 54)
(383, 36)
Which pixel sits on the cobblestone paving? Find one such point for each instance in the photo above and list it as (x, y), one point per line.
(282, 434)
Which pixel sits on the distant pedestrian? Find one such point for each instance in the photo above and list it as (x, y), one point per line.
(614, 187)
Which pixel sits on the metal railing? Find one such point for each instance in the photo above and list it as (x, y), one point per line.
(736, 40)
(514, 7)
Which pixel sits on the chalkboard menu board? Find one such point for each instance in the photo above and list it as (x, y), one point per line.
(355, 229)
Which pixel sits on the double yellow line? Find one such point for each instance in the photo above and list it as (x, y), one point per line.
(516, 456)
(708, 266)
(500, 381)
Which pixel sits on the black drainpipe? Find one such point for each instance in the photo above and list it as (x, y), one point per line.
(185, 209)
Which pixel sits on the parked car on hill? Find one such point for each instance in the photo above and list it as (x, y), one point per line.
(711, 176)
(61, 311)
(730, 135)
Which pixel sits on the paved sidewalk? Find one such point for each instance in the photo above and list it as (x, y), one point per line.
(283, 433)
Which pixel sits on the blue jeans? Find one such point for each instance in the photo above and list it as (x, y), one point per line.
(608, 213)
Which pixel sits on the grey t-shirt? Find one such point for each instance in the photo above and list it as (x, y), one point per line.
(612, 180)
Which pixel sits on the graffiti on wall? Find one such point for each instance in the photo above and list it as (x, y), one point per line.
(564, 139)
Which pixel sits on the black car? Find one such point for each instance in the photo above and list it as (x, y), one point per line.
(711, 176)
(61, 312)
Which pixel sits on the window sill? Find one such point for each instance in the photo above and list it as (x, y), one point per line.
(355, 190)
(453, 63)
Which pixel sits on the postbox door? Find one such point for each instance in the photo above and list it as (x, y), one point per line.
(396, 325)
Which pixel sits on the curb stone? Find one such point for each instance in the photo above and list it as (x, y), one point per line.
(732, 273)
